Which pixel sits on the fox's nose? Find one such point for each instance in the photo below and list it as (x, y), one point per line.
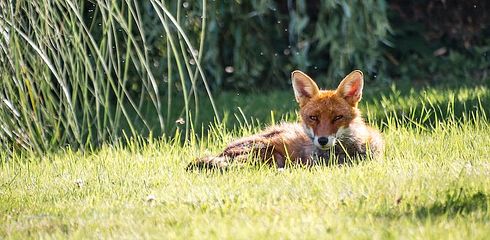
(323, 141)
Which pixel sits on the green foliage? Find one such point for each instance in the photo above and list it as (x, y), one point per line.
(258, 43)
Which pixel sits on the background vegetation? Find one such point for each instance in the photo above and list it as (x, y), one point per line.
(82, 73)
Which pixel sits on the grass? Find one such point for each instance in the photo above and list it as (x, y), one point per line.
(80, 73)
(433, 181)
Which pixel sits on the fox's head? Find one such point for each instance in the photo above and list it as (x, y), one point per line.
(327, 114)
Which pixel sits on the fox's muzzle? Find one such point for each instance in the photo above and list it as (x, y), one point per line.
(324, 142)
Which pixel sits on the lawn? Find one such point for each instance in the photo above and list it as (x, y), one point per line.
(433, 181)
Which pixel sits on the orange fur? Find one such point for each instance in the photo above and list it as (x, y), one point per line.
(331, 126)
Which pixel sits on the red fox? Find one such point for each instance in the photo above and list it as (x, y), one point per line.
(331, 126)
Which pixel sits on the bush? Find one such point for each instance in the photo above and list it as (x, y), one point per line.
(256, 44)
(439, 42)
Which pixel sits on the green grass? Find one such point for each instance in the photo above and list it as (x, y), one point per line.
(433, 181)
(79, 73)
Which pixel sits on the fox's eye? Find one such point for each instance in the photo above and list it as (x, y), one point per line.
(313, 118)
(337, 118)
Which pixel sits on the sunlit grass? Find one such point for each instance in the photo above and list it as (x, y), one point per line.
(433, 182)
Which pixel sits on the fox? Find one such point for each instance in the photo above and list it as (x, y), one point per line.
(330, 128)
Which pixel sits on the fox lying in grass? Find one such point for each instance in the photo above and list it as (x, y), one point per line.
(331, 126)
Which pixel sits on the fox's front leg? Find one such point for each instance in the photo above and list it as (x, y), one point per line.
(279, 159)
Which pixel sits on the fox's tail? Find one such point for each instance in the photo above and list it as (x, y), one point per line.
(238, 151)
(209, 162)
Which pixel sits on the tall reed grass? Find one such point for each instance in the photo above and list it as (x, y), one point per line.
(69, 71)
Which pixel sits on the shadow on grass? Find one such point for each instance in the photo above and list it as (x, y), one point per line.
(454, 204)
(450, 205)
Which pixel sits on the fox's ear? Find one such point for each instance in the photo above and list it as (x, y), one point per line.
(304, 87)
(351, 87)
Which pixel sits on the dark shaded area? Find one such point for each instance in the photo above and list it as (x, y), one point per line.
(427, 42)
(254, 46)
(458, 23)
(439, 41)
(452, 203)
